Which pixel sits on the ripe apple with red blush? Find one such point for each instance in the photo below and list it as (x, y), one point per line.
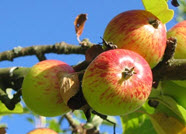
(139, 31)
(117, 82)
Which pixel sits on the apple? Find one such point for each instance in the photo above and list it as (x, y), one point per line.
(139, 31)
(117, 82)
(42, 131)
(178, 31)
(41, 88)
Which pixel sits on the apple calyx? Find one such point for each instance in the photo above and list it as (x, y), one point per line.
(127, 73)
(154, 22)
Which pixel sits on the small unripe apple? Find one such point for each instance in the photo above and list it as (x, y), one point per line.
(139, 31)
(41, 88)
(178, 31)
(42, 131)
(117, 82)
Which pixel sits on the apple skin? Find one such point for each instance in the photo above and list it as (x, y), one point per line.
(107, 91)
(132, 30)
(42, 131)
(179, 32)
(41, 88)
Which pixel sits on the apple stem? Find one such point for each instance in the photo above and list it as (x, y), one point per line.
(104, 117)
(108, 45)
(154, 23)
(127, 73)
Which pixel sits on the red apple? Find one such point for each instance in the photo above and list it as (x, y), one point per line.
(139, 31)
(41, 88)
(179, 32)
(117, 82)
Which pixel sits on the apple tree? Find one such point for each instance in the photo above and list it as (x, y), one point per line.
(137, 72)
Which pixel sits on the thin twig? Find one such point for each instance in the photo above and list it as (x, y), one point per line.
(70, 120)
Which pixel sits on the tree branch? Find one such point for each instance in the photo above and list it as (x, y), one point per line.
(167, 69)
(12, 78)
(70, 120)
(79, 128)
(170, 68)
(40, 50)
(174, 70)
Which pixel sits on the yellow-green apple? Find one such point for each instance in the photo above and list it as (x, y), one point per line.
(117, 82)
(42, 131)
(41, 88)
(179, 32)
(139, 31)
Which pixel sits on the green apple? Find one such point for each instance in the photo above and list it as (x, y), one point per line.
(41, 88)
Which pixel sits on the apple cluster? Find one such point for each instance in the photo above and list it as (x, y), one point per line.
(117, 81)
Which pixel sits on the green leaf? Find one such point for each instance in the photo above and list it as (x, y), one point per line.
(160, 9)
(146, 108)
(137, 122)
(176, 90)
(54, 125)
(170, 103)
(18, 109)
(88, 125)
(181, 83)
(79, 114)
(165, 121)
(165, 124)
(31, 120)
(96, 121)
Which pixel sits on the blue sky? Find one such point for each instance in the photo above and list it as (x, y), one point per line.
(41, 22)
